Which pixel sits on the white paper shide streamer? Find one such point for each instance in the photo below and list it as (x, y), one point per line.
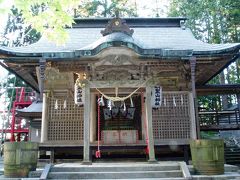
(181, 99)
(65, 104)
(56, 104)
(174, 101)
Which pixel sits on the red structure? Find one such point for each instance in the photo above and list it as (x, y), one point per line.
(22, 100)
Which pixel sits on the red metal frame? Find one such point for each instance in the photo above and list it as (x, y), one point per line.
(22, 100)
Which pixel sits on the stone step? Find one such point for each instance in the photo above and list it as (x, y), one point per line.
(143, 179)
(232, 150)
(115, 175)
(227, 168)
(230, 168)
(125, 168)
(232, 153)
(225, 176)
(232, 157)
(233, 161)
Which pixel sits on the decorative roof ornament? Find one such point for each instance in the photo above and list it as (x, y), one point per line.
(117, 25)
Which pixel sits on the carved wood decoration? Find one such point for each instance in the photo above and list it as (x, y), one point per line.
(58, 80)
(116, 68)
(121, 69)
(116, 60)
(117, 25)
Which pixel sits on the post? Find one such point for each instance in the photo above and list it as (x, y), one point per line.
(86, 148)
(149, 125)
(44, 128)
(238, 101)
(193, 73)
(42, 66)
(93, 122)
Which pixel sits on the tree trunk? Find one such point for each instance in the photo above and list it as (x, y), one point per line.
(224, 97)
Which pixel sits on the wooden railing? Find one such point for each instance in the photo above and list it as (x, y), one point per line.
(219, 119)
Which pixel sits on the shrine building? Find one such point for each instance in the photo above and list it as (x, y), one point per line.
(117, 84)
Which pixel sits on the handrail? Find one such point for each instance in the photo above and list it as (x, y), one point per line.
(45, 172)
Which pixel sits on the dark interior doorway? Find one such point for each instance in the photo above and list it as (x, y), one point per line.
(120, 118)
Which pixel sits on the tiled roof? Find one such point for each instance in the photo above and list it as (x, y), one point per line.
(164, 38)
(35, 107)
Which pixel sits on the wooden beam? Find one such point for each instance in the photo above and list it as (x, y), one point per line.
(114, 83)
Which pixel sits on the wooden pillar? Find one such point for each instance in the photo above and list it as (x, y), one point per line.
(44, 127)
(86, 148)
(93, 122)
(192, 116)
(238, 101)
(52, 156)
(42, 66)
(149, 125)
(193, 74)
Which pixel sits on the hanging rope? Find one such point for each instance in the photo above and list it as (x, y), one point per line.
(116, 98)
(145, 122)
(98, 152)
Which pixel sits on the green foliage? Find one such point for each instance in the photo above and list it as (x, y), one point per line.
(48, 17)
(16, 33)
(213, 22)
(209, 135)
(210, 103)
(47, 20)
(10, 83)
(105, 8)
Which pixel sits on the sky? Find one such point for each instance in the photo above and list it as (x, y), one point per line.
(145, 7)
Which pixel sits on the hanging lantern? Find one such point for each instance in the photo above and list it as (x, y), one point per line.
(78, 95)
(156, 99)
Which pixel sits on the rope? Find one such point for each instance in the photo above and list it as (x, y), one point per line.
(98, 152)
(116, 98)
(145, 122)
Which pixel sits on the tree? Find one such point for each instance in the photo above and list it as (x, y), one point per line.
(106, 8)
(213, 22)
(16, 32)
(47, 19)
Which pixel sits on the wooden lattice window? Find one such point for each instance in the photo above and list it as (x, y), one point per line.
(64, 123)
(172, 119)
